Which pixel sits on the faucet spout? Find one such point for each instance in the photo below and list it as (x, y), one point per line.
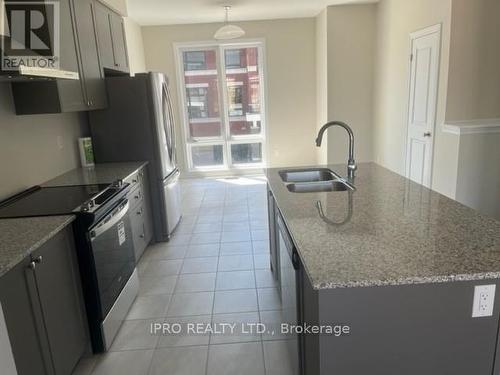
(351, 163)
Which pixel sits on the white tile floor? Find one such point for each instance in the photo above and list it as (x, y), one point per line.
(214, 269)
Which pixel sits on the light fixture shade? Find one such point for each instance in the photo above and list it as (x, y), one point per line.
(229, 32)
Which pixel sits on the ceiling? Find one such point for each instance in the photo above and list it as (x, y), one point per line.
(173, 12)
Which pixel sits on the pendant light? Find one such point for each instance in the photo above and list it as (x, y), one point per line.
(228, 31)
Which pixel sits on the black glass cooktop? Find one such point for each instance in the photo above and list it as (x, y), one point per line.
(49, 201)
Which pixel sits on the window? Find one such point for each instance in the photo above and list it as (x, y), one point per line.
(194, 60)
(235, 99)
(197, 101)
(233, 59)
(223, 105)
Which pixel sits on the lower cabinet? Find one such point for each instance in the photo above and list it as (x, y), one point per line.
(140, 211)
(43, 307)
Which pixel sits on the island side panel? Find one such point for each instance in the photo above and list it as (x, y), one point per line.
(309, 310)
(411, 330)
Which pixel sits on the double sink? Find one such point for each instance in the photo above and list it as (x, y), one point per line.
(313, 180)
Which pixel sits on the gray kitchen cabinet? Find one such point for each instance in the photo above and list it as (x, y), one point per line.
(42, 302)
(111, 38)
(78, 53)
(57, 95)
(24, 322)
(104, 38)
(119, 42)
(140, 211)
(90, 69)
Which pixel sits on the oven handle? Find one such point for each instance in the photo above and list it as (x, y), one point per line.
(112, 221)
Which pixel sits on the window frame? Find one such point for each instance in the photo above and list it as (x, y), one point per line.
(226, 139)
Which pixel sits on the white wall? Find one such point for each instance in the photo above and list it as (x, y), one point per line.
(291, 78)
(29, 150)
(322, 81)
(135, 46)
(350, 59)
(396, 20)
(474, 73)
(478, 180)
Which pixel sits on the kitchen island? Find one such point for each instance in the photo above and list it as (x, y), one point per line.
(394, 261)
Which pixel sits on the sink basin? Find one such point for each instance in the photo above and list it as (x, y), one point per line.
(308, 175)
(318, 187)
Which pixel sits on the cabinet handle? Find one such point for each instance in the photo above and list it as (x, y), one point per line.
(38, 259)
(142, 235)
(139, 212)
(32, 265)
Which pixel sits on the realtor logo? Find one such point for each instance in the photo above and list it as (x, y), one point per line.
(32, 34)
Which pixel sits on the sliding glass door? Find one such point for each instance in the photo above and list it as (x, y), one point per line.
(223, 99)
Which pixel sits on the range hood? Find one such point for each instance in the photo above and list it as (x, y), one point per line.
(31, 73)
(25, 73)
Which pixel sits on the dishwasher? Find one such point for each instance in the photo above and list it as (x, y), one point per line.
(290, 283)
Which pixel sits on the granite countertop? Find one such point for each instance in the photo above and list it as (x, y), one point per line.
(20, 237)
(398, 233)
(101, 173)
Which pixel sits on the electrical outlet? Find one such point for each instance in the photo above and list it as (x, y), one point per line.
(484, 299)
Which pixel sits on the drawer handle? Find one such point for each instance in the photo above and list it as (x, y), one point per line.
(139, 212)
(142, 235)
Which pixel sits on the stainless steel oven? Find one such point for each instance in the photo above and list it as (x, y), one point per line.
(113, 252)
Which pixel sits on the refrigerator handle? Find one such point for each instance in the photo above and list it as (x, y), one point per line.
(166, 121)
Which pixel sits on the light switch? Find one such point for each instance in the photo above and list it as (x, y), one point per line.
(484, 299)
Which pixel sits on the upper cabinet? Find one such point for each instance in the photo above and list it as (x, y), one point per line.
(92, 42)
(90, 70)
(111, 38)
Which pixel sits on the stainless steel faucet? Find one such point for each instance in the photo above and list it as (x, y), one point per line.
(351, 163)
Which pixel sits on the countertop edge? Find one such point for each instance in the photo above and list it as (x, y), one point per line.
(23, 254)
(408, 281)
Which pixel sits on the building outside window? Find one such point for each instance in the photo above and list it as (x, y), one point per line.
(194, 60)
(197, 101)
(223, 100)
(233, 59)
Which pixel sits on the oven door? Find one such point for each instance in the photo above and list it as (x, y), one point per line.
(113, 250)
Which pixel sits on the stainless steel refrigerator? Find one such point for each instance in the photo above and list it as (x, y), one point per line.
(139, 125)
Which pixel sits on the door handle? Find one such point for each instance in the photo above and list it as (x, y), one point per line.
(427, 134)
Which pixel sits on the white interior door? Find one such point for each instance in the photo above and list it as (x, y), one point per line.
(424, 76)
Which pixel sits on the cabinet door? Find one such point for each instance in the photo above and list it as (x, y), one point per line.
(23, 318)
(70, 93)
(59, 289)
(103, 30)
(119, 43)
(93, 81)
(138, 230)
